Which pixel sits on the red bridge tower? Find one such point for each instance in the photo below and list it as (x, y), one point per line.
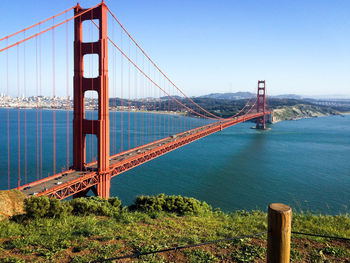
(260, 105)
(82, 126)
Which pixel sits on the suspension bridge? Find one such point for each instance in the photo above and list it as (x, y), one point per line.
(141, 113)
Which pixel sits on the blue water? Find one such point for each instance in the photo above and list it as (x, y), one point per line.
(304, 163)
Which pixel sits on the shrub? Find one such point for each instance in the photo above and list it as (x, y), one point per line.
(36, 207)
(58, 208)
(95, 206)
(175, 204)
(115, 202)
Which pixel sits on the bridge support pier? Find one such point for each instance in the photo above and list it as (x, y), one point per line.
(269, 117)
(260, 105)
(104, 185)
(82, 126)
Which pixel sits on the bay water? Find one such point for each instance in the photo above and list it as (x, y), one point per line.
(303, 163)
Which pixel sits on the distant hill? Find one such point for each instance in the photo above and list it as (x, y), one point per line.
(288, 96)
(168, 97)
(246, 95)
(229, 96)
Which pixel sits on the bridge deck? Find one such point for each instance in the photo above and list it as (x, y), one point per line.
(66, 184)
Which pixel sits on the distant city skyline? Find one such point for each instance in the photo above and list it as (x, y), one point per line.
(299, 47)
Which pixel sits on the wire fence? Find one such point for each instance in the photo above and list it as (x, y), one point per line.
(138, 254)
(324, 236)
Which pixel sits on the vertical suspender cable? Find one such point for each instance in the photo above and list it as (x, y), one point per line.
(92, 97)
(178, 127)
(122, 87)
(184, 117)
(54, 98)
(172, 112)
(136, 105)
(143, 102)
(161, 124)
(164, 111)
(149, 105)
(155, 105)
(8, 118)
(67, 93)
(37, 109)
(25, 111)
(153, 92)
(189, 116)
(129, 99)
(114, 138)
(18, 122)
(114, 145)
(168, 111)
(115, 102)
(179, 122)
(41, 110)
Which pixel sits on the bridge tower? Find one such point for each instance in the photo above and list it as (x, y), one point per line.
(82, 126)
(260, 104)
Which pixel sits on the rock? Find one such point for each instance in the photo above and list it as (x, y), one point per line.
(11, 203)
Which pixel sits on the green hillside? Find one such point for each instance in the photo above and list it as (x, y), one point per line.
(93, 229)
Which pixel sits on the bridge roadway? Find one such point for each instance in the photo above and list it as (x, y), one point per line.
(72, 182)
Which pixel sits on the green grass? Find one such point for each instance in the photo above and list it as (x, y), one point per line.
(79, 238)
(200, 256)
(338, 225)
(248, 253)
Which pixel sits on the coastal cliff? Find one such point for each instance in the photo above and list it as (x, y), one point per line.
(300, 111)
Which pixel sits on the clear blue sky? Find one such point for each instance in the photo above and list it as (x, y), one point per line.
(300, 47)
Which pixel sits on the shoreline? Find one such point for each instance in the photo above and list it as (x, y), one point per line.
(89, 110)
(170, 113)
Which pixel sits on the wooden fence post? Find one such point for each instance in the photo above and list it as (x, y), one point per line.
(278, 236)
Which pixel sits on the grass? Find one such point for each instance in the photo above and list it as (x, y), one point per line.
(77, 238)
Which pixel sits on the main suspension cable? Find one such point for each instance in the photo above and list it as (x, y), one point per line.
(149, 78)
(39, 23)
(216, 117)
(48, 29)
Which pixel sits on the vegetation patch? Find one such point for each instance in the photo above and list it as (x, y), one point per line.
(200, 256)
(248, 253)
(38, 207)
(173, 204)
(87, 229)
